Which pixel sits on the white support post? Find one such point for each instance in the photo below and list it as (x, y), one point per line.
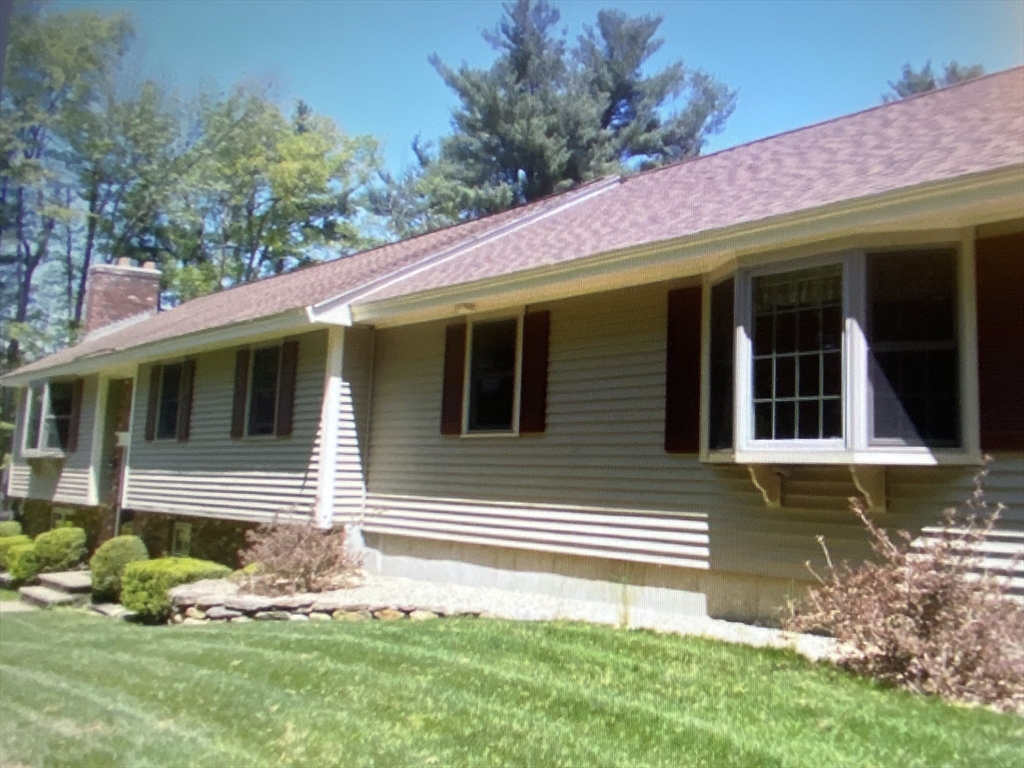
(329, 427)
(96, 445)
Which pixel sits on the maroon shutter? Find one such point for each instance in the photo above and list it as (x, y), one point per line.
(999, 264)
(76, 416)
(188, 380)
(454, 365)
(682, 371)
(533, 391)
(286, 390)
(155, 372)
(241, 391)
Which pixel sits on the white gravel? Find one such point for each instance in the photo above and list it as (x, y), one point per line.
(524, 606)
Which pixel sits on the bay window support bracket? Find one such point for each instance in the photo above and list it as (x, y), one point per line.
(768, 481)
(870, 481)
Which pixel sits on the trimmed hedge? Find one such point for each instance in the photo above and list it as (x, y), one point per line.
(60, 549)
(145, 583)
(22, 562)
(10, 528)
(109, 562)
(6, 542)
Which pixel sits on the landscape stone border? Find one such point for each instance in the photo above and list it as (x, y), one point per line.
(219, 600)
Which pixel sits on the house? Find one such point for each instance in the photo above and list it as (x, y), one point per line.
(655, 390)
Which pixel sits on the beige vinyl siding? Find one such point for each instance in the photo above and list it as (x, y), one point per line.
(357, 372)
(599, 482)
(213, 475)
(64, 481)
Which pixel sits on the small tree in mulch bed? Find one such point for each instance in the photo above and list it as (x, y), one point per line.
(285, 558)
(921, 616)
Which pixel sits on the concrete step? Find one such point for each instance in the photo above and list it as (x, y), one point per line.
(68, 581)
(45, 597)
(6, 580)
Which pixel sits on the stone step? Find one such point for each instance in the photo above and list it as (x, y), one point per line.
(6, 580)
(68, 581)
(111, 610)
(45, 597)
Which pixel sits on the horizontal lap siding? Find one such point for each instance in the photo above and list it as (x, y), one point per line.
(212, 474)
(66, 481)
(603, 450)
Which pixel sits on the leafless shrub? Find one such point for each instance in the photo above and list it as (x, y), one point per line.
(285, 558)
(924, 615)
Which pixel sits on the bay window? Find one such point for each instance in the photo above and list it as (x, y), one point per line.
(853, 358)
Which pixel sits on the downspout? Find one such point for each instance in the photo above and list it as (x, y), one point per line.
(329, 428)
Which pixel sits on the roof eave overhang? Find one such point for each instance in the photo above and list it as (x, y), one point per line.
(966, 201)
(119, 361)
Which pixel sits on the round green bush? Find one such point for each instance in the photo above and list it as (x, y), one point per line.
(145, 583)
(10, 528)
(109, 562)
(22, 562)
(60, 549)
(6, 542)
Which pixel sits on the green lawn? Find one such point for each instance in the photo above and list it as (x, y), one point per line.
(8, 594)
(82, 691)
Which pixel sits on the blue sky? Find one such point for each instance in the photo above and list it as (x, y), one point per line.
(365, 63)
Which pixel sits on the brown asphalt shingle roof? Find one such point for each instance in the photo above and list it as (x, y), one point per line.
(965, 129)
(294, 290)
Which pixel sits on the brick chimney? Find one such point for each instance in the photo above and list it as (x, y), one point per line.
(115, 292)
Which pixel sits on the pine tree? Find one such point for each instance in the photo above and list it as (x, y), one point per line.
(914, 81)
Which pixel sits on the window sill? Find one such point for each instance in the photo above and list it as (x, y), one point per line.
(886, 457)
(38, 459)
(490, 434)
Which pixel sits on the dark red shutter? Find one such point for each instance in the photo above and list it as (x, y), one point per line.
(286, 390)
(76, 415)
(154, 400)
(682, 371)
(533, 392)
(999, 264)
(454, 365)
(188, 380)
(241, 390)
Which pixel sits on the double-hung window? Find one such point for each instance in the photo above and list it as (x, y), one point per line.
(857, 357)
(263, 386)
(50, 417)
(264, 392)
(492, 383)
(169, 408)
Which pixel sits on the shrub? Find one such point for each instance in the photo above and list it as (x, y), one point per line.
(109, 562)
(921, 616)
(297, 557)
(145, 583)
(10, 528)
(60, 549)
(22, 562)
(6, 542)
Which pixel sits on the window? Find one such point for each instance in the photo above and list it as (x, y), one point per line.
(181, 540)
(263, 391)
(169, 408)
(843, 359)
(264, 396)
(170, 390)
(492, 382)
(51, 416)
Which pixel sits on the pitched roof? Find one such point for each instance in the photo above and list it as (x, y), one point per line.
(302, 288)
(965, 129)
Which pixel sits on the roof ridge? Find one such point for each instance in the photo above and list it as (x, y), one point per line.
(800, 129)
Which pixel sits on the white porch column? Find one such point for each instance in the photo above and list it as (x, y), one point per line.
(329, 426)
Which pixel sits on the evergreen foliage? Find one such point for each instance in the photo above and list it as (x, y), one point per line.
(913, 81)
(108, 564)
(60, 549)
(10, 528)
(145, 583)
(7, 542)
(22, 562)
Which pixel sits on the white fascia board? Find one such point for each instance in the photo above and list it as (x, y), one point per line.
(193, 343)
(948, 205)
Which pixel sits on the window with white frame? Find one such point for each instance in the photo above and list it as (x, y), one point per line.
(263, 385)
(840, 359)
(49, 415)
(492, 380)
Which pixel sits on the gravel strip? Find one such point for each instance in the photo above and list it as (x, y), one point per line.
(524, 606)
